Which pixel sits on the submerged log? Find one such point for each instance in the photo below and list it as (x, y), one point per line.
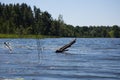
(64, 48)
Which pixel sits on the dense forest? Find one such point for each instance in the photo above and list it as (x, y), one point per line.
(22, 19)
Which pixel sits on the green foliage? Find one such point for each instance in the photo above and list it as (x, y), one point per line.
(21, 20)
(111, 34)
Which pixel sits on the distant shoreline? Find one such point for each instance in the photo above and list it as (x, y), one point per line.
(39, 36)
(25, 36)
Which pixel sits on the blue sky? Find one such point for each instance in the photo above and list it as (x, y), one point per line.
(79, 12)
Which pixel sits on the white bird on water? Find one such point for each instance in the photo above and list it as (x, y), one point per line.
(8, 46)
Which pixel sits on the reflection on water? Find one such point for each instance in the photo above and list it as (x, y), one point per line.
(87, 59)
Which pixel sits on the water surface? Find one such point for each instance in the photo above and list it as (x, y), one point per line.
(87, 59)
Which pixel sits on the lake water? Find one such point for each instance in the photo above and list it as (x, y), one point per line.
(87, 59)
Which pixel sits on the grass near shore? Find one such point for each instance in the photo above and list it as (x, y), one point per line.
(24, 36)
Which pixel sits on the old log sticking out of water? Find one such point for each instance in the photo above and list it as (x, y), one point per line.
(64, 48)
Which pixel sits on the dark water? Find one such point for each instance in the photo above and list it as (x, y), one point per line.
(87, 59)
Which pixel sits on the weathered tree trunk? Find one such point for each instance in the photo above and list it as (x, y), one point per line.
(64, 48)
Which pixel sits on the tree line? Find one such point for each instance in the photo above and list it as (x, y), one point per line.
(23, 20)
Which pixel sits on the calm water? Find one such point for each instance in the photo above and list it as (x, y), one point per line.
(87, 59)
